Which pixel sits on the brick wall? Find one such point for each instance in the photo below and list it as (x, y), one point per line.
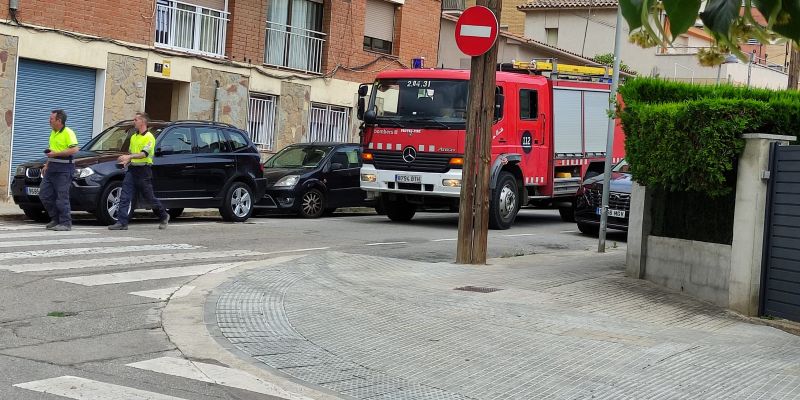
(246, 30)
(416, 34)
(127, 20)
(510, 16)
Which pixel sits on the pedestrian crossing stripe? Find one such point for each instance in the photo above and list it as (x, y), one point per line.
(128, 260)
(95, 250)
(216, 374)
(20, 228)
(60, 242)
(148, 274)
(165, 293)
(20, 235)
(73, 387)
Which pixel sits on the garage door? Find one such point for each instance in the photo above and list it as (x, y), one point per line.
(41, 88)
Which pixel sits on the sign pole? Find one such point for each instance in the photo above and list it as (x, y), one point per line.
(473, 218)
(612, 120)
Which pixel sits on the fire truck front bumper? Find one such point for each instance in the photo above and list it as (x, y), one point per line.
(446, 184)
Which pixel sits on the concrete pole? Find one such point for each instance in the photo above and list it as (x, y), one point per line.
(612, 100)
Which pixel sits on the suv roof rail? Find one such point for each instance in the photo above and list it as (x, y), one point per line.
(217, 123)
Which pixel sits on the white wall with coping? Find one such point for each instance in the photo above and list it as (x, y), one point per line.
(729, 276)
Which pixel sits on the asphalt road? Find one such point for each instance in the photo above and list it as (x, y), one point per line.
(87, 303)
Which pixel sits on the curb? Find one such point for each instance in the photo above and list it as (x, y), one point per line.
(19, 216)
(189, 326)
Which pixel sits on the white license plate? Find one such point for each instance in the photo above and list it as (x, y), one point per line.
(32, 191)
(408, 178)
(612, 213)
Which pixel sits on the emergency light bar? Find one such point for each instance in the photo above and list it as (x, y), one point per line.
(566, 69)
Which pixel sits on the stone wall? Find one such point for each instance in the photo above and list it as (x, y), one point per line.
(8, 78)
(232, 97)
(294, 106)
(126, 83)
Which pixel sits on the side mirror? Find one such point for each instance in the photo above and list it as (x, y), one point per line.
(370, 116)
(499, 98)
(361, 106)
(336, 166)
(363, 89)
(164, 151)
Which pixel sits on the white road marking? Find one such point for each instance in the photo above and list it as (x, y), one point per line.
(21, 228)
(568, 232)
(296, 250)
(444, 240)
(129, 260)
(141, 249)
(148, 274)
(57, 242)
(73, 387)
(476, 31)
(166, 293)
(384, 243)
(17, 235)
(210, 373)
(521, 234)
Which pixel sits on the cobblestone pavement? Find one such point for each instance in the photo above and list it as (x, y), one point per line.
(561, 326)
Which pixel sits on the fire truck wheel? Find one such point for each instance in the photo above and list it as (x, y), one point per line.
(399, 210)
(504, 204)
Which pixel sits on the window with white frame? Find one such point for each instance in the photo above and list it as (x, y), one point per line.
(328, 123)
(294, 36)
(261, 120)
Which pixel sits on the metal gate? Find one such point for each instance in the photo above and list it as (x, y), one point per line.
(780, 296)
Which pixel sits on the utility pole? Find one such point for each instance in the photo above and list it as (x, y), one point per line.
(473, 217)
(794, 66)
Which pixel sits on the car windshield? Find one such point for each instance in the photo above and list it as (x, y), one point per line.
(115, 138)
(622, 167)
(434, 103)
(299, 156)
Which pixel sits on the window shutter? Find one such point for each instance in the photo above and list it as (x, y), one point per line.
(379, 20)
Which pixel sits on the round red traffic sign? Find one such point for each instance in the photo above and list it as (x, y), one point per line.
(476, 30)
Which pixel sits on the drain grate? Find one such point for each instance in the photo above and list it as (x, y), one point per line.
(478, 289)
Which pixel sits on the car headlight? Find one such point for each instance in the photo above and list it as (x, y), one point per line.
(20, 171)
(287, 181)
(83, 172)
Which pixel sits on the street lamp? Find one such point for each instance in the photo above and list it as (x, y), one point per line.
(729, 59)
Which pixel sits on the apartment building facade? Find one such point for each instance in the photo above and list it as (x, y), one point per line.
(285, 70)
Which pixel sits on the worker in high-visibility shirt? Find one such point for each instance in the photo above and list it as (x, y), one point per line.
(57, 172)
(139, 176)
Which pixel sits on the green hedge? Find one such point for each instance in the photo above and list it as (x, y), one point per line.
(683, 142)
(690, 145)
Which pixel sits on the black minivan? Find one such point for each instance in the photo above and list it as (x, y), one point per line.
(197, 164)
(311, 179)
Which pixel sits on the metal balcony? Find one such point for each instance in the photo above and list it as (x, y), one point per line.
(294, 48)
(190, 28)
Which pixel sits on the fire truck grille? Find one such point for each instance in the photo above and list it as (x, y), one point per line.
(424, 162)
(616, 201)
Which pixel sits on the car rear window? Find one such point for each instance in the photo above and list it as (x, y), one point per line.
(238, 140)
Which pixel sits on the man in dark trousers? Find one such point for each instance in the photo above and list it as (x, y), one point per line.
(139, 176)
(57, 173)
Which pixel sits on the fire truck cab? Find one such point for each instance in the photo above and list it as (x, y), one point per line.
(550, 129)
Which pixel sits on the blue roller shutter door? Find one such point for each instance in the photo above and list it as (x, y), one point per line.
(41, 88)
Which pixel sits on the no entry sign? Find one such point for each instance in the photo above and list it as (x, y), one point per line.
(476, 30)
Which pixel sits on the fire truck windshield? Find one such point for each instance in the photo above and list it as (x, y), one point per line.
(434, 103)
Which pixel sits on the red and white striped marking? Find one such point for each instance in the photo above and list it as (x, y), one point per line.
(399, 147)
(535, 180)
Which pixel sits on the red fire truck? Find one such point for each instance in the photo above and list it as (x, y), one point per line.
(549, 131)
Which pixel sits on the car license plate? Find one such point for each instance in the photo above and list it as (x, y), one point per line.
(612, 213)
(32, 191)
(408, 178)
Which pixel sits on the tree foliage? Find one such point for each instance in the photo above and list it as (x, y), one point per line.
(730, 22)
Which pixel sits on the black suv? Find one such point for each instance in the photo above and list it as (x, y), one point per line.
(197, 164)
(589, 200)
(311, 179)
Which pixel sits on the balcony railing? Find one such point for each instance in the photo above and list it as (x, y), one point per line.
(190, 28)
(453, 5)
(295, 48)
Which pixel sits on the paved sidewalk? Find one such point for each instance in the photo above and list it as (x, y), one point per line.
(560, 326)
